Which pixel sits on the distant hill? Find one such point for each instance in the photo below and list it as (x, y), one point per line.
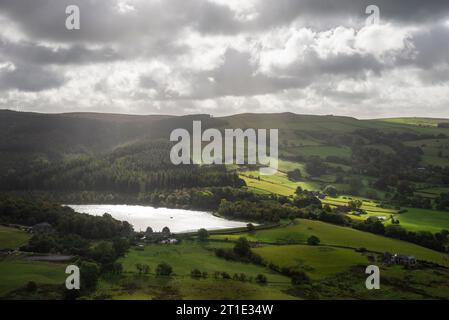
(91, 133)
(33, 140)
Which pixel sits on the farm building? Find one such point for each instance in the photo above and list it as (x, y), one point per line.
(408, 261)
(169, 241)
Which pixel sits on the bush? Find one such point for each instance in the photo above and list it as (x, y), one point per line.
(299, 277)
(116, 268)
(261, 279)
(331, 191)
(203, 235)
(313, 240)
(89, 272)
(242, 247)
(164, 269)
(196, 274)
(250, 227)
(31, 286)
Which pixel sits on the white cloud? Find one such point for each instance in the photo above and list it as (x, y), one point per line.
(379, 39)
(222, 57)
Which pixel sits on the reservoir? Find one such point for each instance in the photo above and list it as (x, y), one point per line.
(178, 220)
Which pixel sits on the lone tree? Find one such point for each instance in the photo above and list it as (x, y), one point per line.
(251, 227)
(203, 235)
(242, 247)
(261, 279)
(139, 268)
(299, 277)
(331, 191)
(166, 230)
(31, 286)
(195, 273)
(164, 269)
(149, 231)
(313, 241)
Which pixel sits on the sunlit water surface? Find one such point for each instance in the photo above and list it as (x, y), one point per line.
(177, 220)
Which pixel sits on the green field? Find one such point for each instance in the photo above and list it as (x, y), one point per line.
(424, 220)
(277, 183)
(16, 272)
(12, 238)
(191, 255)
(425, 122)
(314, 260)
(341, 236)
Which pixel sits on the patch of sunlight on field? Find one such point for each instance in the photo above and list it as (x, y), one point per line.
(369, 206)
(341, 236)
(317, 261)
(424, 220)
(285, 166)
(278, 183)
(426, 122)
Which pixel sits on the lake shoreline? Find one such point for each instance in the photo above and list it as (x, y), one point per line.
(177, 220)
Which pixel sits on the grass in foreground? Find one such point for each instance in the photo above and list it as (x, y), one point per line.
(16, 272)
(191, 255)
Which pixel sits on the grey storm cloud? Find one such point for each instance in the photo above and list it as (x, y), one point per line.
(352, 66)
(318, 11)
(30, 78)
(102, 22)
(432, 46)
(238, 76)
(28, 52)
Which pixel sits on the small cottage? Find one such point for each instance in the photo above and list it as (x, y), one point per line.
(408, 261)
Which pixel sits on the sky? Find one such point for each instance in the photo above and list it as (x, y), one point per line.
(225, 57)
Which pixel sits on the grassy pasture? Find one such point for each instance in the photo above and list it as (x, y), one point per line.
(277, 183)
(323, 151)
(340, 236)
(191, 255)
(12, 238)
(434, 191)
(16, 272)
(435, 161)
(424, 220)
(426, 122)
(151, 287)
(369, 206)
(314, 260)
